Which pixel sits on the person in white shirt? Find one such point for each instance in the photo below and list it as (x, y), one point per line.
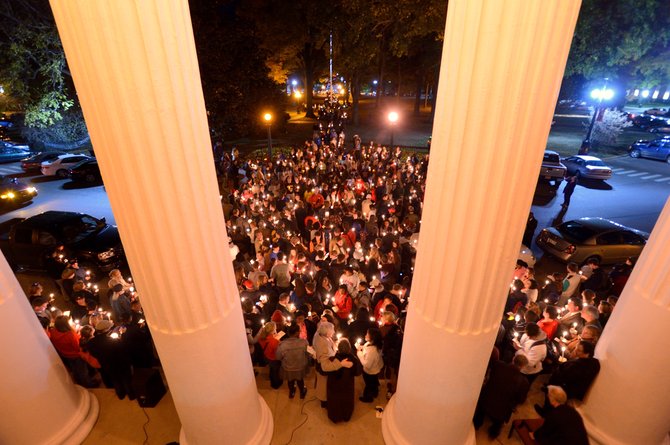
(533, 345)
(371, 358)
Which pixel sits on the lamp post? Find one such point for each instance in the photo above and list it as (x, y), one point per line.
(393, 118)
(600, 94)
(267, 117)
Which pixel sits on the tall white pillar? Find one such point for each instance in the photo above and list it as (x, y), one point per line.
(629, 402)
(502, 65)
(135, 69)
(40, 403)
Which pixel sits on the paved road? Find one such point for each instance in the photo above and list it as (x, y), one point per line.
(634, 196)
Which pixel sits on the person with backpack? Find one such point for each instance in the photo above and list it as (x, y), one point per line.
(533, 345)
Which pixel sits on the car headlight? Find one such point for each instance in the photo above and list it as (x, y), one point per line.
(8, 195)
(105, 255)
(32, 189)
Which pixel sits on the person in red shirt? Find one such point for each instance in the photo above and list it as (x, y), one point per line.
(65, 340)
(343, 302)
(549, 324)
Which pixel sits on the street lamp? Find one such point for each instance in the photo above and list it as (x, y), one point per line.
(599, 94)
(267, 117)
(393, 118)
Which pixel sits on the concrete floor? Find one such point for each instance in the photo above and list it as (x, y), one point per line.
(121, 421)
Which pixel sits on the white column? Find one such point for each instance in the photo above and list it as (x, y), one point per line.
(135, 69)
(502, 65)
(629, 402)
(40, 403)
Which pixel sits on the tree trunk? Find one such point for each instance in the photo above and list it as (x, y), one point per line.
(308, 61)
(355, 97)
(397, 99)
(417, 100)
(380, 80)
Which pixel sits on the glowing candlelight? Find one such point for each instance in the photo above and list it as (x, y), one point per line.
(114, 335)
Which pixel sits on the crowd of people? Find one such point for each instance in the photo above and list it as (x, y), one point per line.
(96, 345)
(323, 239)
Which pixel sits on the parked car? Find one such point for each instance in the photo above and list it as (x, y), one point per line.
(13, 191)
(86, 171)
(656, 149)
(28, 243)
(588, 167)
(60, 165)
(552, 169)
(34, 162)
(657, 112)
(647, 122)
(663, 130)
(526, 255)
(10, 152)
(584, 238)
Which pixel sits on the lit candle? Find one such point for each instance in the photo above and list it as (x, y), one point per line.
(372, 319)
(114, 335)
(262, 321)
(339, 335)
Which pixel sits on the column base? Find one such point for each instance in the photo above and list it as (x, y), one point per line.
(263, 433)
(393, 436)
(82, 422)
(599, 437)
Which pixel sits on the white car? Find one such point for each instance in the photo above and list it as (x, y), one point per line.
(59, 166)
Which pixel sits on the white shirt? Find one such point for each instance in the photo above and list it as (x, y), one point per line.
(371, 359)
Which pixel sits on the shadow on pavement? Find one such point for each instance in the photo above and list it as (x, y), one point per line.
(594, 184)
(544, 193)
(42, 179)
(80, 185)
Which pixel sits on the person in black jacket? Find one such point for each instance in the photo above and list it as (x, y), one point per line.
(574, 376)
(109, 348)
(563, 424)
(505, 388)
(341, 384)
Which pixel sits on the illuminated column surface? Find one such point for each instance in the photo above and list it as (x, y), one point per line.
(40, 403)
(135, 69)
(502, 65)
(629, 402)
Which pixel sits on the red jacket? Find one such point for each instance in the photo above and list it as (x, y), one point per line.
(66, 343)
(344, 304)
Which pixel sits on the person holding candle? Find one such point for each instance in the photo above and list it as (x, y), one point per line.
(343, 303)
(549, 324)
(370, 357)
(115, 365)
(65, 338)
(574, 376)
(533, 345)
(572, 321)
(268, 339)
(570, 283)
(324, 349)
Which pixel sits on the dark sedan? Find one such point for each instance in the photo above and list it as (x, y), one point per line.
(10, 152)
(584, 238)
(86, 171)
(646, 122)
(34, 163)
(13, 191)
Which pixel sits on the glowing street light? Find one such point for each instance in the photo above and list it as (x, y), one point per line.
(267, 117)
(600, 94)
(393, 119)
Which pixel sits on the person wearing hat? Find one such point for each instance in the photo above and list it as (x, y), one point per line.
(109, 348)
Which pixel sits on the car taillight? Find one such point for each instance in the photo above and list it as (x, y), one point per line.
(570, 249)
